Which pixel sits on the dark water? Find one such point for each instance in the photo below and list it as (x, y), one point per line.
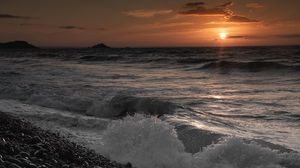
(250, 93)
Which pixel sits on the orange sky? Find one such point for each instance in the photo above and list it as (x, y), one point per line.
(137, 23)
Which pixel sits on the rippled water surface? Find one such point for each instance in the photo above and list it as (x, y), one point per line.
(205, 93)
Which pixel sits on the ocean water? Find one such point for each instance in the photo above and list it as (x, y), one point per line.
(164, 107)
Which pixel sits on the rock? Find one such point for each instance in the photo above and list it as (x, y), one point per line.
(100, 46)
(17, 45)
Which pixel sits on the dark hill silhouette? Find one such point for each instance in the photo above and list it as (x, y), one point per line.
(100, 46)
(17, 45)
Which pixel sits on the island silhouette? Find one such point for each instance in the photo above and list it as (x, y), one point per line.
(17, 45)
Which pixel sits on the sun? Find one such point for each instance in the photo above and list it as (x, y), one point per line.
(222, 35)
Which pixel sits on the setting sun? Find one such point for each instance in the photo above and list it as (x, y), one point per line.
(223, 35)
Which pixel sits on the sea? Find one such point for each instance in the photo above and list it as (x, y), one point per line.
(207, 107)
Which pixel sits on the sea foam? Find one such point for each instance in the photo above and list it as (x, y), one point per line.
(148, 142)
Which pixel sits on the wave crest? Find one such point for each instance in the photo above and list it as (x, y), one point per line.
(145, 142)
(122, 105)
(150, 142)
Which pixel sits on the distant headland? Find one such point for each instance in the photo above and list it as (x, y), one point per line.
(100, 46)
(17, 45)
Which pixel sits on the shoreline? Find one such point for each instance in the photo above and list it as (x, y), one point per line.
(24, 145)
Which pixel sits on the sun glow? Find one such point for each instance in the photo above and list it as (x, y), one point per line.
(223, 35)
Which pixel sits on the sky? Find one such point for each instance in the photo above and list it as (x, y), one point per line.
(151, 23)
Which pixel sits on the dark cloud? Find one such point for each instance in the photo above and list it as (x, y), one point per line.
(9, 16)
(199, 8)
(142, 13)
(226, 5)
(237, 37)
(80, 28)
(241, 19)
(72, 27)
(194, 4)
(288, 36)
(61, 27)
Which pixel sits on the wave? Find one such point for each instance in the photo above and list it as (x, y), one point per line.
(81, 102)
(10, 74)
(249, 66)
(148, 142)
(122, 105)
(100, 58)
(194, 60)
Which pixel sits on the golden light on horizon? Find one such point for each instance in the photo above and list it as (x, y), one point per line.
(222, 35)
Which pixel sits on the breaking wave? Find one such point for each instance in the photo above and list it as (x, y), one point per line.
(148, 142)
(122, 105)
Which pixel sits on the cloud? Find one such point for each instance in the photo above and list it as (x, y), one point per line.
(68, 27)
(194, 4)
(254, 5)
(236, 37)
(200, 9)
(80, 28)
(226, 5)
(286, 36)
(241, 19)
(72, 27)
(142, 13)
(9, 16)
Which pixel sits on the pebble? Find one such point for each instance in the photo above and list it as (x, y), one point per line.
(31, 165)
(38, 153)
(25, 146)
(66, 166)
(13, 160)
(86, 163)
(11, 165)
(35, 140)
(55, 161)
(24, 154)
